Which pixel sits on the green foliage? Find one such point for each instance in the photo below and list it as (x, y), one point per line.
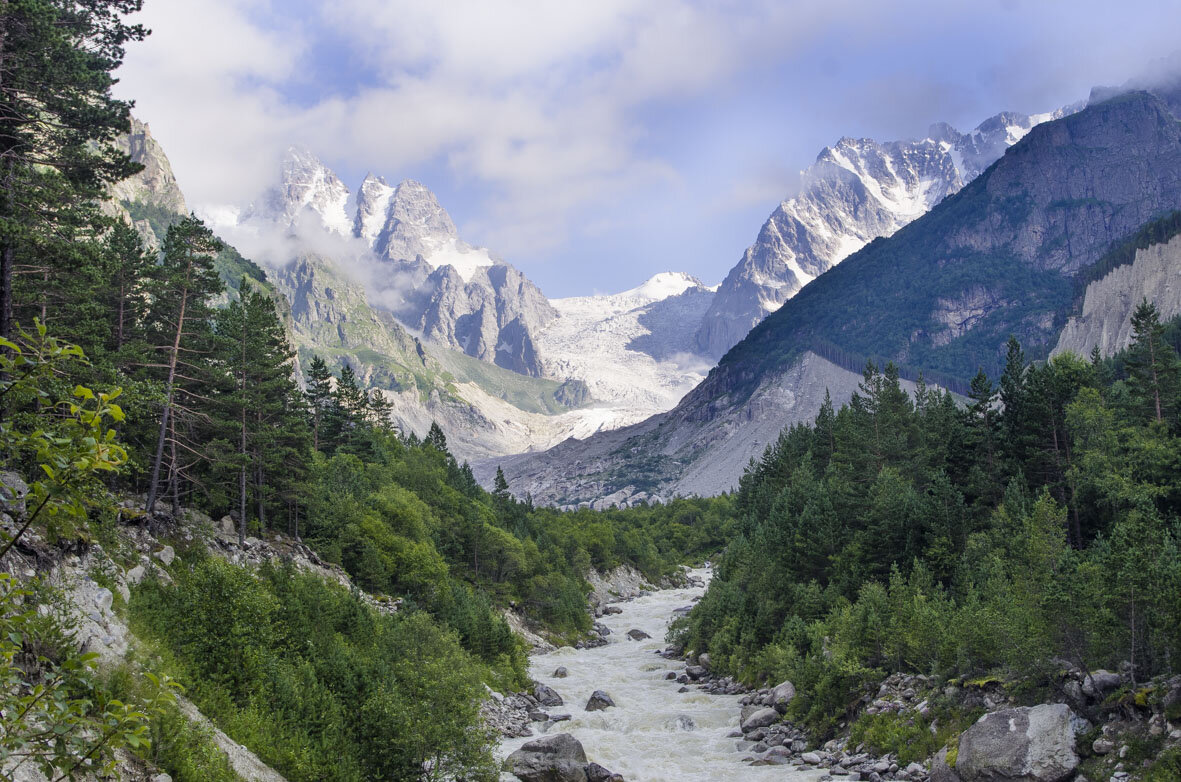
(315, 681)
(916, 536)
(55, 715)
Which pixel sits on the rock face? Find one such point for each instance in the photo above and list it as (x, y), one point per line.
(455, 294)
(1019, 745)
(557, 758)
(856, 191)
(1105, 321)
(154, 187)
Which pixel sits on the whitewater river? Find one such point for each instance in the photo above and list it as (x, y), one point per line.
(644, 737)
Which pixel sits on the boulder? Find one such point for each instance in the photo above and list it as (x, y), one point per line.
(1097, 683)
(696, 672)
(685, 722)
(560, 673)
(637, 635)
(556, 758)
(136, 574)
(1028, 744)
(703, 660)
(760, 719)
(547, 696)
(13, 490)
(599, 700)
(940, 771)
(166, 555)
(596, 773)
(782, 695)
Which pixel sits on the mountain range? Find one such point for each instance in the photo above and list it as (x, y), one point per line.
(615, 386)
(1023, 249)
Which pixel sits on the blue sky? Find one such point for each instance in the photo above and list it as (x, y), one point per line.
(593, 144)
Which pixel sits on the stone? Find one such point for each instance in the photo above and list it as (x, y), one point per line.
(598, 701)
(596, 773)
(811, 758)
(637, 635)
(1102, 746)
(166, 555)
(782, 694)
(12, 493)
(915, 768)
(703, 660)
(696, 672)
(1097, 683)
(685, 722)
(161, 778)
(760, 719)
(561, 672)
(940, 771)
(136, 575)
(547, 696)
(612, 610)
(671, 676)
(556, 758)
(1027, 744)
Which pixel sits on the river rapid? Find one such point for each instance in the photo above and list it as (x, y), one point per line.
(646, 736)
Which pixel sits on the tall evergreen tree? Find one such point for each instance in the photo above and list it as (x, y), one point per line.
(1153, 368)
(319, 397)
(181, 312)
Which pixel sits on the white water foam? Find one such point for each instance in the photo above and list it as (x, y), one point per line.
(640, 737)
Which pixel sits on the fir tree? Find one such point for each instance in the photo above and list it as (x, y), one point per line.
(319, 397)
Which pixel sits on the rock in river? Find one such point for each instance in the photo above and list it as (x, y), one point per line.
(599, 700)
(547, 696)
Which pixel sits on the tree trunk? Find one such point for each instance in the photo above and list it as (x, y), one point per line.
(242, 484)
(175, 473)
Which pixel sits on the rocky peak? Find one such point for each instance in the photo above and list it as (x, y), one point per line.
(416, 224)
(856, 191)
(373, 205)
(156, 184)
(306, 187)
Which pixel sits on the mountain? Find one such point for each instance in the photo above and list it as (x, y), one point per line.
(1005, 255)
(454, 294)
(856, 191)
(152, 190)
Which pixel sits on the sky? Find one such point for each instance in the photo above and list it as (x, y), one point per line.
(594, 143)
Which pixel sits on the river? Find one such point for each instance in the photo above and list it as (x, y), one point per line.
(645, 737)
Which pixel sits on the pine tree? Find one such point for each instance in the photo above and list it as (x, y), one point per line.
(319, 397)
(500, 486)
(180, 316)
(57, 119)
(264, 402)
(1152, 364)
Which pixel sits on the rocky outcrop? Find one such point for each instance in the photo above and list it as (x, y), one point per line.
(1105, 321)
(1028, 744)
(154, 187)
(622, 583)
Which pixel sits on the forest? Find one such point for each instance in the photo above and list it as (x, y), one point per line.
(992, 540)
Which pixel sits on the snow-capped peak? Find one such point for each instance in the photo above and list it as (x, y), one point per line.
(663, 285)
(305, 185)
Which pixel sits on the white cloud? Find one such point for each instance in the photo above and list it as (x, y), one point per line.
(546, 108)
